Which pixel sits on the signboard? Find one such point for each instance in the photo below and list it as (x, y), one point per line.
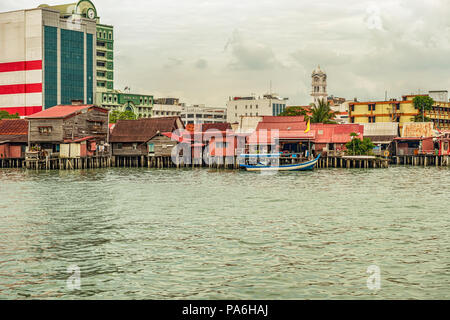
(418, 129)
(124, 98)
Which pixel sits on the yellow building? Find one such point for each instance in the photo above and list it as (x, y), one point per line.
(398, 111)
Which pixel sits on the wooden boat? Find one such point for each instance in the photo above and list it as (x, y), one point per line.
(292, 167)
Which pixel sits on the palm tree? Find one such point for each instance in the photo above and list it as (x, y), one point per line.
(322, 113)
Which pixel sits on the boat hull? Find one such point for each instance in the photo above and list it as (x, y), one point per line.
(294, 167)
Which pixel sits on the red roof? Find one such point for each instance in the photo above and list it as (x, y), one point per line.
(282, 123)
(335, 133)
(278, 119)
(14, 127)
(61, 111)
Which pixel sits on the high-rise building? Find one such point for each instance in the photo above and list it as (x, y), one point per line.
(105, 58)
(46, 58)
(104, 42)
(55, 54)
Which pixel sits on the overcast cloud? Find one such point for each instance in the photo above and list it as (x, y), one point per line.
(204, 51)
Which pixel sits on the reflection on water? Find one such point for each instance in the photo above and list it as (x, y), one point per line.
(202, 234)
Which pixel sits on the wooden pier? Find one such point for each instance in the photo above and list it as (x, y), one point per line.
(106, 161)
(348, 162)
(67, 163)
(422, 160)
(11, 163)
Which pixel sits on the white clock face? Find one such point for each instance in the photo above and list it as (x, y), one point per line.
(91, 14)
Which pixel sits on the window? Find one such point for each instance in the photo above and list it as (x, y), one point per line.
(235, 107)
(110, 36)
(96, 123)
(119, 146)
(45, 130)
(371, 119)
(101, 64)
(134, 146)
(151, 148)
(353, 107)
(371, 107)
(398, 106)
(352, 119)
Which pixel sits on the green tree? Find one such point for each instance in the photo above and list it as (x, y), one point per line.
(322, 113)
(294, 111)
(7, 115)
(422, 103)
(359, 147)
(118, 115)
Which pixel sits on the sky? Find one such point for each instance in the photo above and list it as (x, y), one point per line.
(204, 51)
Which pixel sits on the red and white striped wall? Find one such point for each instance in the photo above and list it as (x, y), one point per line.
(21, 74)
(21, 87)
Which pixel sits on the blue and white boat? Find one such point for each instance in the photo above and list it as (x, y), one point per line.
(309, 165)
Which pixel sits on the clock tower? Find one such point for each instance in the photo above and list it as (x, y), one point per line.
(319, 85)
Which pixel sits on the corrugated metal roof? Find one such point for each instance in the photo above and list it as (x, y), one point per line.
(143, 130)
(335, 133)
(57, 112)
(288, 126)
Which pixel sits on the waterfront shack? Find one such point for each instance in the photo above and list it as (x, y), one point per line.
(330, 139)
(70, 132)
(382, 134)
(421, 144)
(144, 141)
(443, 143)
(13, 142)
(286, 135)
